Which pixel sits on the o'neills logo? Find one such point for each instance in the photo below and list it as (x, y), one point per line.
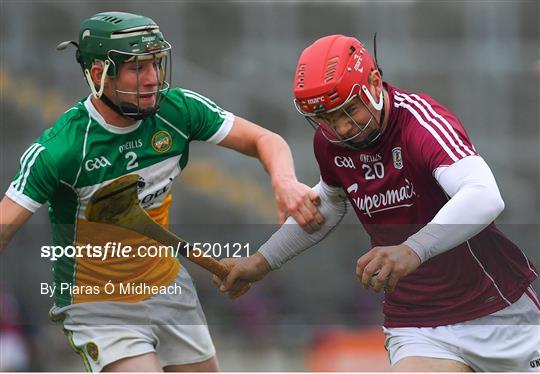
(391, 199)
(161, 141)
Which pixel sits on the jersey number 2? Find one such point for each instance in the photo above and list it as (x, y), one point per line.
(132, 156)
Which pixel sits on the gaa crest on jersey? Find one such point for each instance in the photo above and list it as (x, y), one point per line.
(397, 158)
(161, 141)
(92, 350)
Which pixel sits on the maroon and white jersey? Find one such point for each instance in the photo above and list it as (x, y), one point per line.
(392, 188)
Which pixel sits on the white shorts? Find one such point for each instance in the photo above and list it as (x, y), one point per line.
(507, 340)
(173, 326)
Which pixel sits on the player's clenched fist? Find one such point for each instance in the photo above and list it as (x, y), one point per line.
(383, 267)
(299, 201)
(242, 272)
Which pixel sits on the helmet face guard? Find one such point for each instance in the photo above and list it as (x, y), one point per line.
(332, 75)
(113, 38)
(132, 108)
(370, 130)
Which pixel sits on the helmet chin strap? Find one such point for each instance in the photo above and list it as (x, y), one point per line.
(97, 94)
(129, 110)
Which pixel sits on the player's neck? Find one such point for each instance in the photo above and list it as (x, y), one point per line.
(110, 116)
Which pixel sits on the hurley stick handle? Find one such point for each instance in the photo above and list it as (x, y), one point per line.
(142, 223)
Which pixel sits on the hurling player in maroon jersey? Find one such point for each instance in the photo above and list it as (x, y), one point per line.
(458, 291)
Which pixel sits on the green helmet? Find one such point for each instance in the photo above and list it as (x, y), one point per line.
(116, 36)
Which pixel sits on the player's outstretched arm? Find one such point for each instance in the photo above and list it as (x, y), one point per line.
(286, 243)
(12, 217)
(292, 197)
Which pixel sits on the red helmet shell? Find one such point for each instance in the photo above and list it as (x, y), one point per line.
(329, 72)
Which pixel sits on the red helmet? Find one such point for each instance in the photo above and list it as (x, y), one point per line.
(330, 73)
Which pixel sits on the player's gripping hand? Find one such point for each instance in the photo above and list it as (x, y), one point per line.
(383, 267)
(242, 271)
(240, 287)
(299, 201)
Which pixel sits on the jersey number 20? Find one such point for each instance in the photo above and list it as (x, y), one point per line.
(375, 171)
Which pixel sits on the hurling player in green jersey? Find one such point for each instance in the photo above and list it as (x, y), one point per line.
(133, 122)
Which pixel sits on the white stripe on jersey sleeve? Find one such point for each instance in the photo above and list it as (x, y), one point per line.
(29, 167)
(449, 133)
(22, 200)
(424, 124)
(401, 97)
(448, 126)
(213, 109)
(206, 101)
(16, 188)
(228, 117)
(23, 162)
(223, 130)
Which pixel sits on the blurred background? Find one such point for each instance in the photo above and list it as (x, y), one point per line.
(481, 59)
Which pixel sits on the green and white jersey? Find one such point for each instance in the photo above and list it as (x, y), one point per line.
(81, 153)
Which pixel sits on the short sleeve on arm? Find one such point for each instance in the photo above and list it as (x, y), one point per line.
(209, 122)
(433, 137)
(36, 179)
(320, 147)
